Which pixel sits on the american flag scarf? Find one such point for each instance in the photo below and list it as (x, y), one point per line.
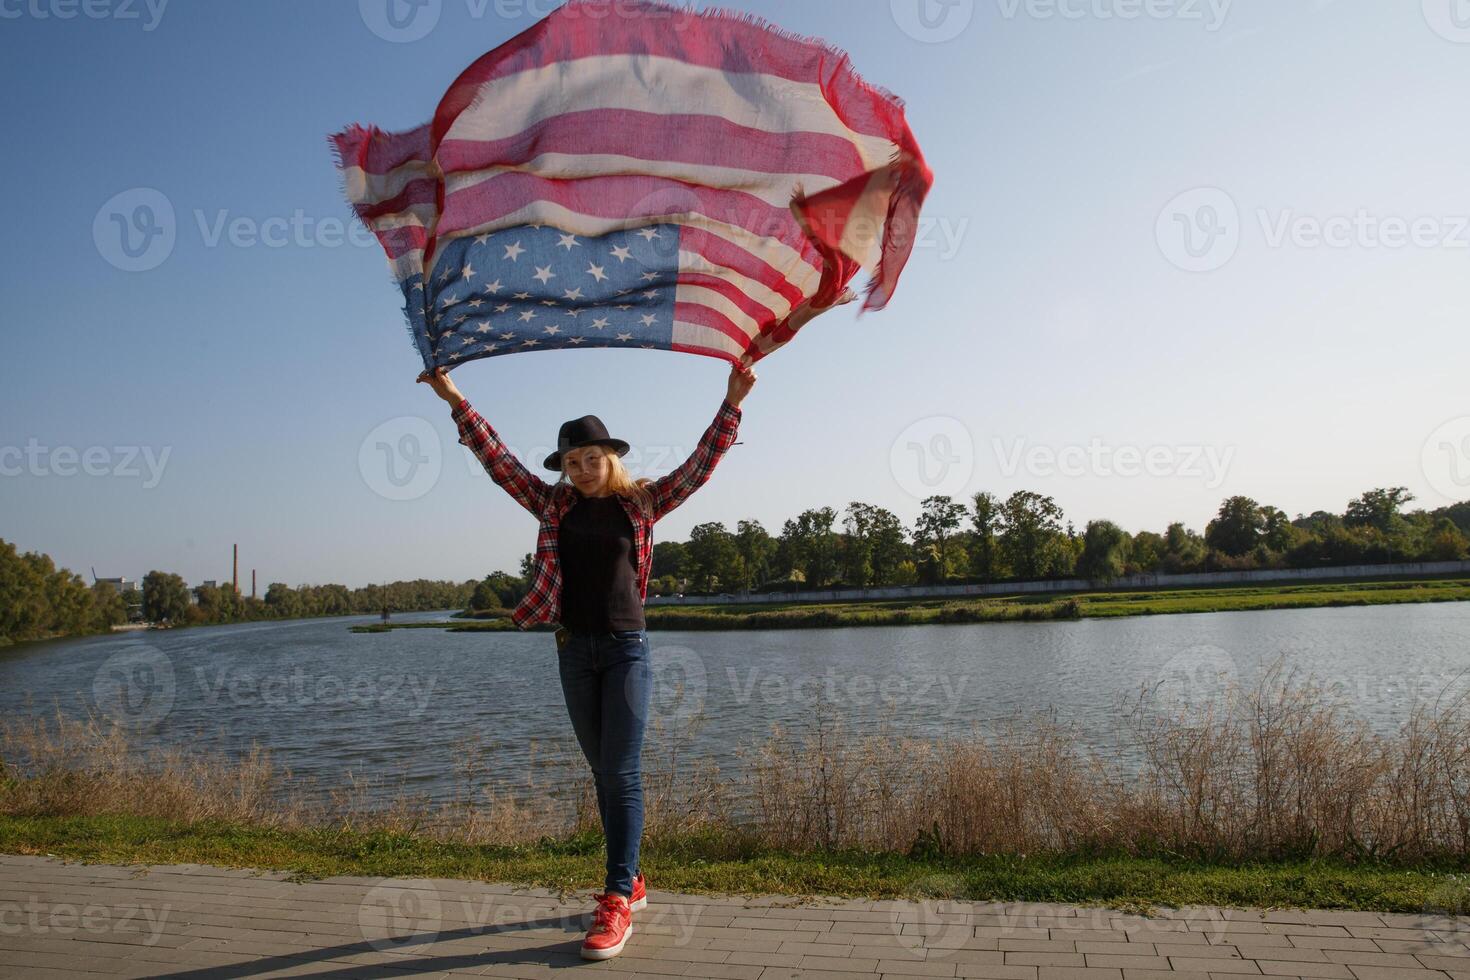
(634, 174)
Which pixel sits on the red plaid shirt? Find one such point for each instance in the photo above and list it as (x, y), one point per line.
(548, 502)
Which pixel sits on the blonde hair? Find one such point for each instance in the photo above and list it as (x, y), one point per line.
(619, 480)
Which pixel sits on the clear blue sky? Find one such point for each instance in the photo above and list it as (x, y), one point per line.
(1061, 133)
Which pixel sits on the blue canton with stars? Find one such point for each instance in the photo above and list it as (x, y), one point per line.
(535, 287)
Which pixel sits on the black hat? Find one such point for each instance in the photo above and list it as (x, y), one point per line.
(585, 431)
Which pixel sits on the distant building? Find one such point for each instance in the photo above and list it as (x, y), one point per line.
(208, 583)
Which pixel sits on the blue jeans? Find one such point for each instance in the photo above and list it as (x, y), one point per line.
(606, 680)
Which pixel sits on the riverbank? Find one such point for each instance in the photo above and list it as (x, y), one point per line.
(733, 864)
(1018, 608)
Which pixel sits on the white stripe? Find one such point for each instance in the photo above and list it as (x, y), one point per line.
(504, 107)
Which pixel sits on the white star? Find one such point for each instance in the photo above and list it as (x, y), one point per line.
(548, 302)
(621, 253)
(652, 294)
(508, 336)
(444, 276)
(528, 316)
(544, 275)
(503, 307)
(448, 301)
(493, 287)
(649, 234)
(600, 322)
(468, 272)
(461, 319)
(648, 320)
(649, 277)
(466, 340)
(625, 336)
(648, 347)
(489, 347)
(481, 239)
(622, 292)
(522, 296)
(532, 342)
(573, 293)
(597, 272)
(577, 340)
(514, 252)
(475, 303)
(574, 313)
(624, 306)
(553, 330)
(568, 242)
(455, 356)
(484, 327)
(418, 287)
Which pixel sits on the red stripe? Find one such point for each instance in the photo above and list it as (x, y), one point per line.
(723, 252)
(620, 197)
(378, 152)
(703, 140)
(733, 293)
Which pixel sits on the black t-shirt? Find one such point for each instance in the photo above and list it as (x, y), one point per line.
(599, 568)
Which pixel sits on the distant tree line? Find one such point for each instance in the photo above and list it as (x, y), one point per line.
(1025, 538)
(40, 601)
(984, 539)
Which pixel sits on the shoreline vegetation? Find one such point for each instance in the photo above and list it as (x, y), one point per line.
(1273, 795)
(991, 609)
(981, 539)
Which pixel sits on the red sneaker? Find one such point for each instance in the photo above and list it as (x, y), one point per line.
(612, 924)
(640, 896)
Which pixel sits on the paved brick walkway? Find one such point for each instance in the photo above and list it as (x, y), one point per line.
(70, 919)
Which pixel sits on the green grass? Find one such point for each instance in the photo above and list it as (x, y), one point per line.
(1051, 606)
(725, 865)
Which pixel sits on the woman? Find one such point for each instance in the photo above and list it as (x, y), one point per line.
(593, 553)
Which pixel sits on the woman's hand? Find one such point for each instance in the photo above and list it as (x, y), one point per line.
(742, 379)
(442, 385)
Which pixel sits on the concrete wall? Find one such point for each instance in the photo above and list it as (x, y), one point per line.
(1416, 569)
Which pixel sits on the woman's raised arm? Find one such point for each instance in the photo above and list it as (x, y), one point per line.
(528, 489)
